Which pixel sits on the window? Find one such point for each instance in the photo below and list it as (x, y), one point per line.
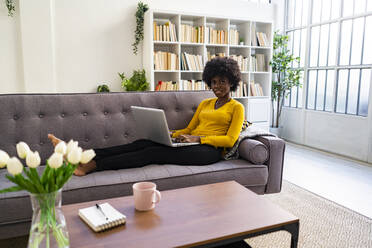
(337, 69)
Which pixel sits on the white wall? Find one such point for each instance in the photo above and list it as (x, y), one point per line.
(11, 64)
(74, 45)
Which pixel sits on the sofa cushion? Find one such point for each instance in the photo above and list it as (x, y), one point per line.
(253, 151)
(16, 207)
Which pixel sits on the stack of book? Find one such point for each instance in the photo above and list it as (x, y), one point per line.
(214, 36)
(255, 89)
(259, 38)
(166, 32)
(242, 90)
(234, 37)
(262, 39)
(167, 85)
(243, 62)
(190, 62)
(165, 61)
(257, 63)
(192, 34)
(193, 85)
(212, 56)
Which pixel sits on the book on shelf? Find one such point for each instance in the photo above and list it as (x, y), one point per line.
(165, 61)
(193, 85)
(257, 62)
(212, 56)
(167, 86)
(260, 62)
(255, 89)
(190, 62)
(234, 37)
(102, 217)
(242, 61)
(214, 36)
(252, 63)
(253, 36)
(242, 90)
(192, 34)
(166, 32)
(262, 39)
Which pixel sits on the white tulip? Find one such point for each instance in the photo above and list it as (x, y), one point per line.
(74, 156)
(71, 145)
(14, 166)
(33, 159)
(61, 147)
(22, 149)
(4, 157)
(87, 156)
(56, 160)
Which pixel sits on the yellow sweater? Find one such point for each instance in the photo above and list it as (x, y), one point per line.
(217, 127)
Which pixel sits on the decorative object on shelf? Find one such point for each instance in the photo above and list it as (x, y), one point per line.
(137, 82)
(241, 41)
(10, 5)
(284, 76)
(103, 88)
(48, 228)
(138, 36)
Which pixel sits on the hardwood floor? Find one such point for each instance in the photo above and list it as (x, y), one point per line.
(341, 180)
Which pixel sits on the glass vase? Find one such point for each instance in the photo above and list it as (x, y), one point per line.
(48, 228)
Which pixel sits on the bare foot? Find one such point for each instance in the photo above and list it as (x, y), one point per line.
(53, 139)
(83, 169)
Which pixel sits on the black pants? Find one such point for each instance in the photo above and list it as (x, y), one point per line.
(144, 152)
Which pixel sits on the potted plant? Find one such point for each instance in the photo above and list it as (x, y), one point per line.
(284, 76)
(140, 17)
(103, 88)
(137, 82)
(10, 5)
(241, 41)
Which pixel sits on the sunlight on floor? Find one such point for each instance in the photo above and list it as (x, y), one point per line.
(344, 181)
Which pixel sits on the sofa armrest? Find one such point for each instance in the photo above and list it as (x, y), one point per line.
(275, 162)
(253, 151)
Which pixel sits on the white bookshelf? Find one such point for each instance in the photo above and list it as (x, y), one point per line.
(257, 107)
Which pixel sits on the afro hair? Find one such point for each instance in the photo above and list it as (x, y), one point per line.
(223, 67)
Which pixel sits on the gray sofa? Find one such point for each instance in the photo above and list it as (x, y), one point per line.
(102, 120)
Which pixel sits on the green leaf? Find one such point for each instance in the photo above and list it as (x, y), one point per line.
(45, 174)
(36, 180)
(52, 184)
(59, 176)
(137, 82)
(29, 185)
(11, 189)
(138, 37)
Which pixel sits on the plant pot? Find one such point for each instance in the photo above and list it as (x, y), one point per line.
(241, 43)
(48, 228)
(276, 130)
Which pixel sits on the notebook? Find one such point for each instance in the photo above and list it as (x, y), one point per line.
(96, 218)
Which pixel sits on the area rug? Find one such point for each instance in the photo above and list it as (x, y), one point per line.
(323, 223)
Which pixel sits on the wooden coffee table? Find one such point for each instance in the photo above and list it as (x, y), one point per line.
(220, 214)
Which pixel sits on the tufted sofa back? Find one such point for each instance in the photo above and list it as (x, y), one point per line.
(95, 120)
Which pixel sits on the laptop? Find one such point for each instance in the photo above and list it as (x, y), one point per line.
(151, 124)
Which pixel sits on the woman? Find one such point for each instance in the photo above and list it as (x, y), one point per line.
(216, 125)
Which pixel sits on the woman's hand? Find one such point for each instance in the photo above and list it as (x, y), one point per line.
(186, 138)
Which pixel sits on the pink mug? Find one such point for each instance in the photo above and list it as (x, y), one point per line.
(145, 195)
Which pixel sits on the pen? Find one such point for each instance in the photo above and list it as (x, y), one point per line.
(100, 209)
